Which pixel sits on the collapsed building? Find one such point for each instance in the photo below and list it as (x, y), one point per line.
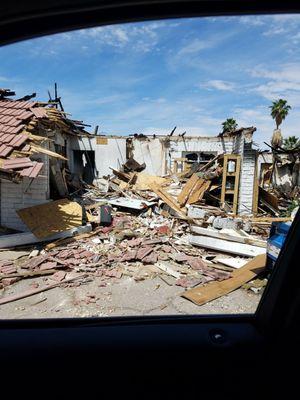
(163, 155)
(36, 141)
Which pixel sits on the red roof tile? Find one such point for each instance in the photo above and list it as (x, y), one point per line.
(5, 150)
(39, 112)
(7, 137)
(17, 163)
(18, 140)
(32, 172)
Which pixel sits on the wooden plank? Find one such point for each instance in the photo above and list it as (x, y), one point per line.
(214, 290)
(226, 246)
(50, 218)
(234, 238)
(269, 219)
(184, 194)
(31, 292)
(269, 198)
(198, 192)
(168, 200)
(29, 274)
(39, 149)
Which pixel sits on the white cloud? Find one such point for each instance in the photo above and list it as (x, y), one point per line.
(283, 82)
(252, 20)
(219, 85)
(140, 37)
(196, 46)
(275, 31)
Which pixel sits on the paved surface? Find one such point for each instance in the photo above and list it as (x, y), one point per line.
(121, 297)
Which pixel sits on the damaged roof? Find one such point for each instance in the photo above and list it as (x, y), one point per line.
(20, 128)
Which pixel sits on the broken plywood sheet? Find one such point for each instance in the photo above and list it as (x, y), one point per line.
(214, 290)
(50, 218)
(143, 181)
(226, 246)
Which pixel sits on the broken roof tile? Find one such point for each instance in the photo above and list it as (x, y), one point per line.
(18, 140)
(7, 137)
(39, 112)
(32, 172)
(5, 150)
(17, 163)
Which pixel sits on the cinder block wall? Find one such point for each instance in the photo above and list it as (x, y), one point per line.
(16, 196)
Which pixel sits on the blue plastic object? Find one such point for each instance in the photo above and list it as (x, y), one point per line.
(278, 234)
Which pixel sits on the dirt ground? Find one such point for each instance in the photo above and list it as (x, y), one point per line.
(120, 297)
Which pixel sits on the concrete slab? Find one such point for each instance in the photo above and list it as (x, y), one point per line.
(121, 297)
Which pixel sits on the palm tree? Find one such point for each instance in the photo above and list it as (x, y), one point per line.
(290, 143)
(229, 125)
(279, 111)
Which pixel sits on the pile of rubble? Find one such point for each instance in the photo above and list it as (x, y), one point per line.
(140, 226)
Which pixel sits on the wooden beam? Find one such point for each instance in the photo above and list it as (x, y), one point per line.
(214, 290)
(27, 293)
(184, 194)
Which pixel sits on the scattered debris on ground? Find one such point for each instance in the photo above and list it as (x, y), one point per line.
(185, 228)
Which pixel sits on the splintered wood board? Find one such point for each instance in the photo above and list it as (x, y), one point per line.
(213, 290)
(184, 194)
(56, 216)
(166, 198)
(198, 191)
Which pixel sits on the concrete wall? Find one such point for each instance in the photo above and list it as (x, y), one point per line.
(25, 194)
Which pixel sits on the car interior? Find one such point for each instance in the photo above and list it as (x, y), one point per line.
(204, 356)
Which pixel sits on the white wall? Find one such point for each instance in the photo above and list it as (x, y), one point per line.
(111, 153)
(159, 154)
(152, 153)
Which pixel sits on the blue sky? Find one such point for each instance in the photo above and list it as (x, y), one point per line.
(149, 77)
